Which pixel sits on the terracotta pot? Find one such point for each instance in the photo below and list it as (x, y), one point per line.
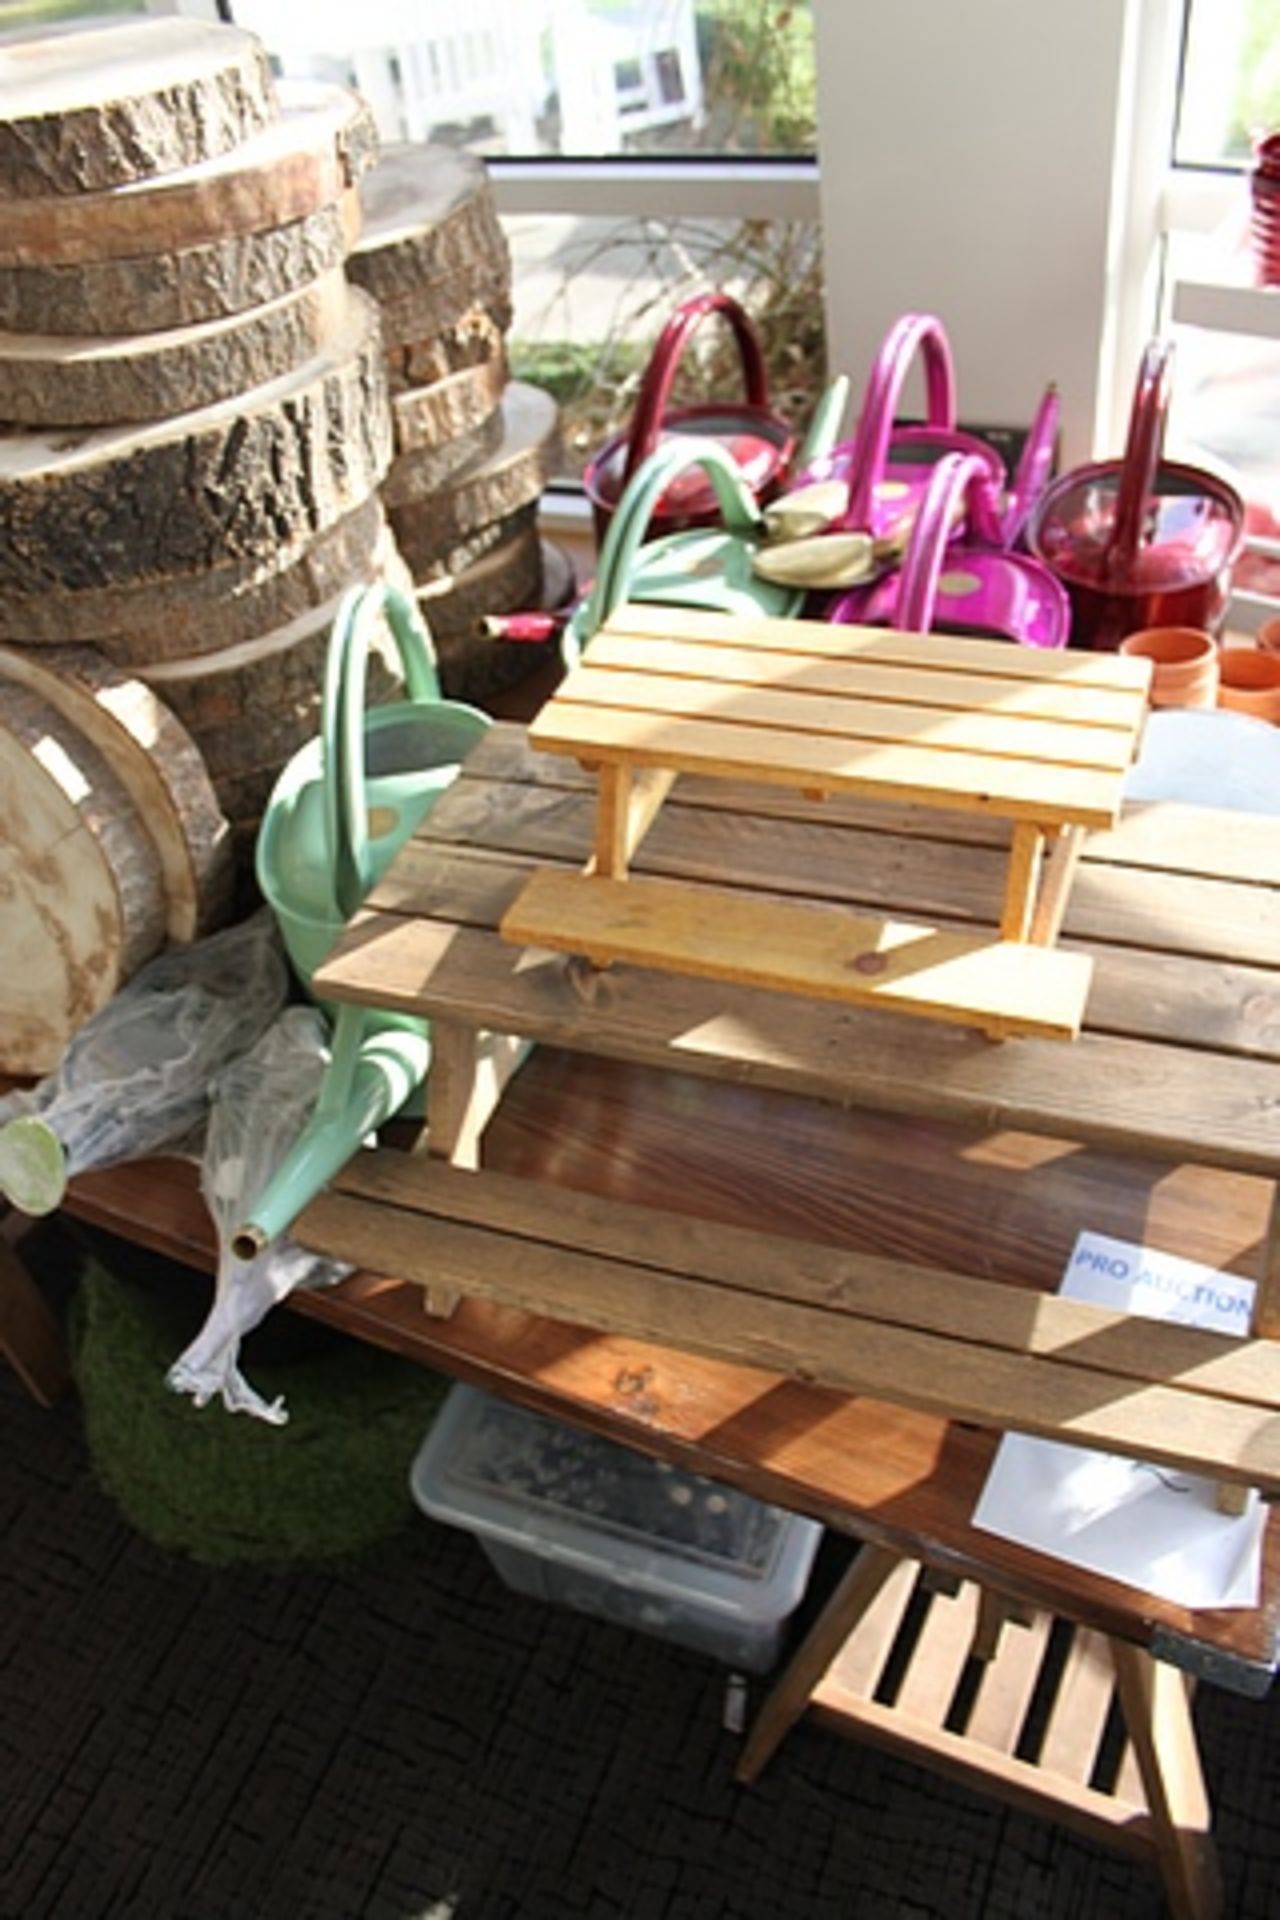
(1267, 638)
(1185, 662)
(1250, 682)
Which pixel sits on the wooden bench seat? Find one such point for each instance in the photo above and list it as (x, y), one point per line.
(950, 1343)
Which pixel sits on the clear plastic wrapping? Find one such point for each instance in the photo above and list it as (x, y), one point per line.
(135, 1078)
(259, 1106)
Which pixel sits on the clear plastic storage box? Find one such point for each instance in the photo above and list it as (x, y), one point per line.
(594, 1525)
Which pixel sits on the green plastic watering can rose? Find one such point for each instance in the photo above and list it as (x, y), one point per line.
(705, 567)
(349, 799)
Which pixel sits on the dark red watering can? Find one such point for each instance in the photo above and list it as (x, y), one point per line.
(761, 441)
(1143, 542)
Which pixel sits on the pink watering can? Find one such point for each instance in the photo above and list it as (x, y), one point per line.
(887, 467)
(1143, 542)
(961, 588)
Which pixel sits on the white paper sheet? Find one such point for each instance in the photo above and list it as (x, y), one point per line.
(1150, 1526)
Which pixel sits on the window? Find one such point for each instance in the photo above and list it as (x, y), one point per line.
(638, 152)
(1226, 325)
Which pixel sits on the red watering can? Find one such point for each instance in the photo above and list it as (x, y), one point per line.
(1144, 542)
(761, 441)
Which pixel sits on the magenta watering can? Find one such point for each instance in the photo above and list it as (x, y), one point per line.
(960, 588)
(887, 467)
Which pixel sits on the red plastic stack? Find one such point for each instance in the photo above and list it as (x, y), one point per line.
(1264, 183)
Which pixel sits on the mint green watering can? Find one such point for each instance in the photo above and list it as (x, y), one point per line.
(706, 567)
(342, 808)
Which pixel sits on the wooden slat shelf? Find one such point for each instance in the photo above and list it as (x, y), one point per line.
(784, 703)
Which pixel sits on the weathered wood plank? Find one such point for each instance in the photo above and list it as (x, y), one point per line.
(991, 1388)
(934, 879)
(1138, 1096)
(958, 1305)
(1164, 835)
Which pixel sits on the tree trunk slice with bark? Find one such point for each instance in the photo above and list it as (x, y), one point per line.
(230, 484)
(116, 103)
(508, 580)
(196, 284)
(156, 762)
(81, 896)
(46, 381)
(429, 216)
(424, 470)
(494, 488)
(435, 414)
(417, 533)
(253, 705)
(190, 613)
(313, 154)
(476, 337)
(175, 627)
(444, 307)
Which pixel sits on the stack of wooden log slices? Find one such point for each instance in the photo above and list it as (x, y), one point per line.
(197, 421)
(474, 449)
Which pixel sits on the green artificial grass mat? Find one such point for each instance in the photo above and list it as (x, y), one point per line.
(226, 1488)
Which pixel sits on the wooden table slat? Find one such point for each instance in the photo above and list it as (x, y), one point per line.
(908, 722)
(869, 679)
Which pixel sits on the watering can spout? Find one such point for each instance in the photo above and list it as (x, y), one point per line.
(372, 1076)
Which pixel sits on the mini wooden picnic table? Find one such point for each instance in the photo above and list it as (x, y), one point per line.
(1178, 1063)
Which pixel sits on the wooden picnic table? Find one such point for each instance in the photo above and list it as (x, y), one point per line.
(901, 1296)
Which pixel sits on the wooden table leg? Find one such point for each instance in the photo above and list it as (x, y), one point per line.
(1055, 886)
(465, 1080)
(628, 799)
(1156, 1705)
(1266, 1301)
(1022, 881)
(29, 1337)
(790, 1696)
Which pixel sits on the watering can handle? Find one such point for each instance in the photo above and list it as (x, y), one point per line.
(1141, 454)
(635, 509)
(824, 426)
(950, 480)
(342, 722)
(911, 334)
(659, 375)
(1033, 468)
